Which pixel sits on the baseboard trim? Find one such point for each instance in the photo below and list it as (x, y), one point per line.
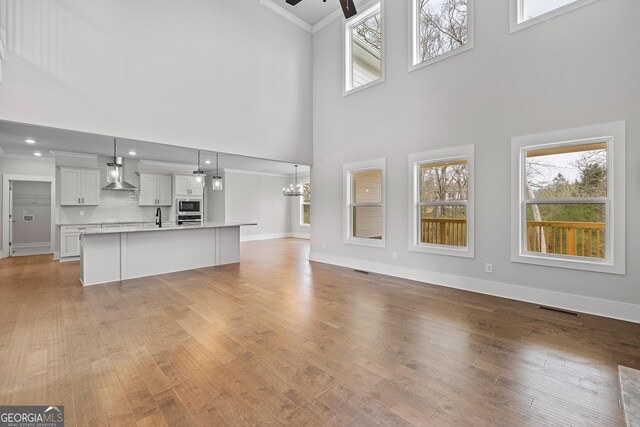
(31, 245)
(251, 238)
(300, 236)
(599, 307)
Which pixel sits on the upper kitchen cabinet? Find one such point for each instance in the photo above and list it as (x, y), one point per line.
(79, 187)
(155, 190)
(187, 186)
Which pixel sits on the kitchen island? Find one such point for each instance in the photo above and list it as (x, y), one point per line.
(128, 252)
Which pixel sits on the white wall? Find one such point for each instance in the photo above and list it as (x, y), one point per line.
(31, 198)
(224, 75)
(215, 207)
(577, 69)
(20, 166)
(255, 197)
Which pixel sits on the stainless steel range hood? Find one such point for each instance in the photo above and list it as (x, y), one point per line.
(115, 174)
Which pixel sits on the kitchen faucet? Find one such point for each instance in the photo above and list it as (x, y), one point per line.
(159, 217)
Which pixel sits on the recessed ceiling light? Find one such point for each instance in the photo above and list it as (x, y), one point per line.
(208, 162)
(30, 141)
(132, 153)
(37, 154)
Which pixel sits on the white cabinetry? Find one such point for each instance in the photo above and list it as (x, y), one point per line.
(155, 190)
(79, 187)
(188, 185)
(70, 239)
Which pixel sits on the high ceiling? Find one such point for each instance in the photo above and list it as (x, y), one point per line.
(50, 141)
(310, 11)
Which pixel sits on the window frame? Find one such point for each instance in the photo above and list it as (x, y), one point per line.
(466, 152)
(347, 60)
(414, 35)
(348, 170)
(515, 7)
(301, 210)
(614, 135)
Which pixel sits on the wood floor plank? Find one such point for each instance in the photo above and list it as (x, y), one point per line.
(277, 340)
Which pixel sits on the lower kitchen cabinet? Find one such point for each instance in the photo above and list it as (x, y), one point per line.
(70, 239)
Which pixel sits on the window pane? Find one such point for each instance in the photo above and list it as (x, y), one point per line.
(367, 222)
(534, 8)
(443, 225)
(366, 44)
(306, 196)
(443, 181)
(566, 229)
(306, 214)
(442, 27)
(567, 172)
(367, 186)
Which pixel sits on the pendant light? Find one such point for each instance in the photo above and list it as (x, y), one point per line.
(114, 168)
(200, 174)
(294, 190)
(216, 181)
(115, 174)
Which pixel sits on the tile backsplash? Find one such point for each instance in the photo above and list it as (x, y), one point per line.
(115, 206)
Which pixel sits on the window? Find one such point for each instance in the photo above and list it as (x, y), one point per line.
(440, 29)
(305, 204)
(365, 203)
(364, 62)
(567, 212)
(441, 207)
(525, 13)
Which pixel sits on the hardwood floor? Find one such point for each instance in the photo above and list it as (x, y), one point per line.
(277, 340)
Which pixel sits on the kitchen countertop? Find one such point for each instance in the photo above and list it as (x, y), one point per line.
(166, 227)
(63, 224)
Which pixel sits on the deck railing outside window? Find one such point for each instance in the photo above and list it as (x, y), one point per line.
(444, 231)
(586, 239)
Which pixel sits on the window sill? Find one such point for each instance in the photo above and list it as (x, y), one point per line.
(443, 250)
(363, 87)
(602, 266)
(374, 243)
(305, 225)
(451, 53)
(517, 26)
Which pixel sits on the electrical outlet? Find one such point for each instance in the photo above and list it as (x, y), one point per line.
(324, 245)
(488, 268)
(395, 255)
(81, 213)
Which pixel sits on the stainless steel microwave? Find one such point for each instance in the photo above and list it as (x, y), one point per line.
(187, 206)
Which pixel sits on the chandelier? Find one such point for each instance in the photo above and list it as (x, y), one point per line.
(294, 190)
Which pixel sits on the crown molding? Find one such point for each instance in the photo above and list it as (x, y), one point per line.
(28, 157)
(248, 172)
(287, 15)
(74, 154)
(326, 20)
(161, 163)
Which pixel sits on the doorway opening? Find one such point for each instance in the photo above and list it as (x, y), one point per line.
(30, 218)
